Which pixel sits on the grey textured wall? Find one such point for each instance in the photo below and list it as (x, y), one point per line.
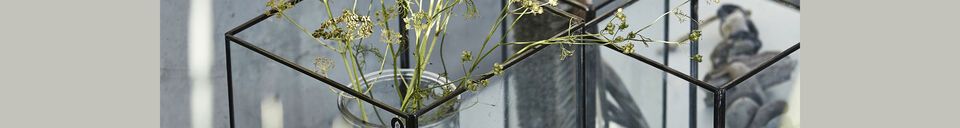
(174, 81)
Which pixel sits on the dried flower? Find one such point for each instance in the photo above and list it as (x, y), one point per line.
(609, 29)
(389, 37)
(552, 2)
(532, 6)
(323, 65)
(698, 58)
(628, 48)
(279, 5)
(465, 56)
(694, 35)
(564, 53)
(484, 83)
(418, 21)
(622, 26)
(364, 50)
(620, 15)
(446, 87)
(346, 28)
(497, 69)
(472, 86)
(475, 86)
(618, 39)
(386, 14)
(681, 16)
(471, 11)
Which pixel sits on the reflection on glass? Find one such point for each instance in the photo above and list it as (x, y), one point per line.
(743, 35)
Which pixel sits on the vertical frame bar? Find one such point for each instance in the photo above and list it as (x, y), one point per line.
(588, 98)
(582, 90)
(581, 73)
(404, 48)
(504, 51)
(719, 109)
(666, 61)
(226, 48)
(404, 41)
(694, 50)
(410, 121)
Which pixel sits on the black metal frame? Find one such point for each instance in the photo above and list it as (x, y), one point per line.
(410, 119)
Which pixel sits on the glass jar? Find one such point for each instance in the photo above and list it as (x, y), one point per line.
(385, 90)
